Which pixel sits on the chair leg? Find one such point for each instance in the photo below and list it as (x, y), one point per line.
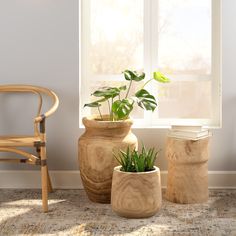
(50, 189)
(44, 177)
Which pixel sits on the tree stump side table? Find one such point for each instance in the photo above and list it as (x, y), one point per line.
(187, 180)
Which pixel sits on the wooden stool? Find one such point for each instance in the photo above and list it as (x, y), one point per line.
(187, 170)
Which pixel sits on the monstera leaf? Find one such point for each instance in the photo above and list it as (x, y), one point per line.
(122, 108)
(92, 104)
(158, 76)
(95, 103)
(145, 100)
(133, 75)
(122, 87)
(107, 92)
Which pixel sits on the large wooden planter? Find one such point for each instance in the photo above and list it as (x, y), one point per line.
(136, 195)
(96, 161)
(187, 170)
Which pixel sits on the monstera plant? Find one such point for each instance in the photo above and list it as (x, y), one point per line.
(121, 107)
(106, 134)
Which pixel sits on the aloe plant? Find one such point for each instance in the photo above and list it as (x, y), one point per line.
(120, 108)
(133, 161)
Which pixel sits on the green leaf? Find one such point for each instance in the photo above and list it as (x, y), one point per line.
(146, 100)
(139, 161)
(133, 161)
(92, 104)
(107, 92)
(122, 108)
(123, 88)
(158, 76)
(133, 75)
(95, 103)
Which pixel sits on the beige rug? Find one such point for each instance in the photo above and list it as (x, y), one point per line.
(71, 213)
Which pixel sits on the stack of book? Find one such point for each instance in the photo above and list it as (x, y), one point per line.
(189, 132)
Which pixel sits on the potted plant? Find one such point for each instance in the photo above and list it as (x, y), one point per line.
(136, 184)
(108, 133)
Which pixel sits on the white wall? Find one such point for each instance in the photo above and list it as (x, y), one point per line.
(39, 45)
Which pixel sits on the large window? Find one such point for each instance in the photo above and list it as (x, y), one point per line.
(181, 38)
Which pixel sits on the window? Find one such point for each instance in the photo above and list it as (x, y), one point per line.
(181, 38)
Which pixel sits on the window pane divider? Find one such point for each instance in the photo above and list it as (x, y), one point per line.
(150, 57)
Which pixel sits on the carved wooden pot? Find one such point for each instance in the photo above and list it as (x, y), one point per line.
(96, 161)
(136, 195)
(187, 170)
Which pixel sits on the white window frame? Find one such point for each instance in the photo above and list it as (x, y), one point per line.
(150, 62)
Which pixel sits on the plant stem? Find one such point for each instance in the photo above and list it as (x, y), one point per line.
(146, 83)
(100, 113)
(111, 114)
(128, 89)
(109, 108)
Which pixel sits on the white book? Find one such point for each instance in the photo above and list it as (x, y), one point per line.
(187, 128)
(188, 132)
(188, 137)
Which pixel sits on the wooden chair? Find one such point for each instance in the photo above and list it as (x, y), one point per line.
(13, 144)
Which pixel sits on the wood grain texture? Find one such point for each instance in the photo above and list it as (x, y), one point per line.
(96, 147)
(136, 195)
(18, 141)
(13, 144)
(20, 88)
(187, 170)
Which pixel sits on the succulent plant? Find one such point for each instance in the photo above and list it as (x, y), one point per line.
(134, 161)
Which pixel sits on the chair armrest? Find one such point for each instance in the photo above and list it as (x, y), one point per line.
(50, 111)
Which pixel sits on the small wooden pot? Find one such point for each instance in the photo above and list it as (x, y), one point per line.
(187, 170)
(96, 161)
(136, 195)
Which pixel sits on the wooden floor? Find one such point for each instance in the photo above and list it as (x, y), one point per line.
(71, 213)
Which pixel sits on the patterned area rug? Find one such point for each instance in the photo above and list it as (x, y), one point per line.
(71, 213)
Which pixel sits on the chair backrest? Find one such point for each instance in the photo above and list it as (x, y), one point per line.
(38, 91)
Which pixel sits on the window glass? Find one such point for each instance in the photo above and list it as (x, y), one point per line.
(184, 42)
(180, 38)
(116, 36)
(184, 100)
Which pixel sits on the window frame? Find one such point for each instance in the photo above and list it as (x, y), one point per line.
(150, 62)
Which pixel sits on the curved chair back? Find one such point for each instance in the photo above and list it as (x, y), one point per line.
(38, 91)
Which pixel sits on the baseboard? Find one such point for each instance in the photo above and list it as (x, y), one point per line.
(16, 179)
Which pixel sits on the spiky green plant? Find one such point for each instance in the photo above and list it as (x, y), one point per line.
(134, 161)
